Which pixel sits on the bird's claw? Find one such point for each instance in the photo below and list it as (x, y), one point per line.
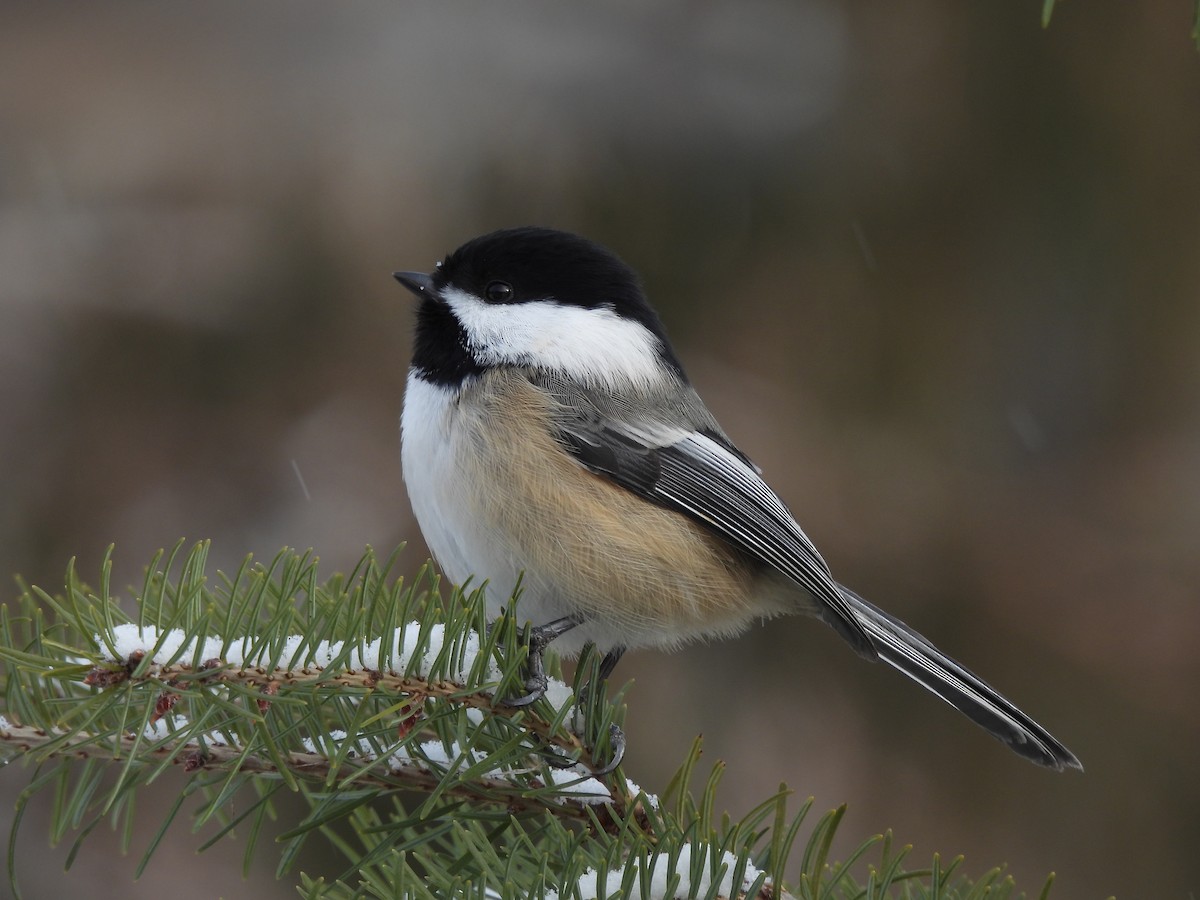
(616, 740)
(535, 686)
(536, 680)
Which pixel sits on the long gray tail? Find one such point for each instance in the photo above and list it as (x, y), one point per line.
(901, 647)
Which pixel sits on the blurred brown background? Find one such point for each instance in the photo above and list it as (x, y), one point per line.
(936, 269)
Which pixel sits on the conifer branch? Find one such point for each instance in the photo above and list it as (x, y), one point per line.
(358, 693)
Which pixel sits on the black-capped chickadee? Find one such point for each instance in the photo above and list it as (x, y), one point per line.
(551, 438)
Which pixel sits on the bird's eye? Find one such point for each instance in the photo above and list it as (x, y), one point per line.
(498, 292)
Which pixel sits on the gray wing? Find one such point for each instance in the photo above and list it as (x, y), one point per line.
(695, 470)
(701, 474)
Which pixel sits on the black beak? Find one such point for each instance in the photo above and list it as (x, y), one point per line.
(417, 282)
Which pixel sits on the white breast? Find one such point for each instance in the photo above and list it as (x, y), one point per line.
(436, 456)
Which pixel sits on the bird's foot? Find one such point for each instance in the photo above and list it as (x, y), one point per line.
(536, 681)
(616, 742)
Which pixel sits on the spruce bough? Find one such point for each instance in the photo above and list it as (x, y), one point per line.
(374, 699)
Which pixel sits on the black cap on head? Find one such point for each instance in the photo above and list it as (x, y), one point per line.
(546, 264)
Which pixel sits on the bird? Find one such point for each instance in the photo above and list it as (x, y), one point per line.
(552, 440)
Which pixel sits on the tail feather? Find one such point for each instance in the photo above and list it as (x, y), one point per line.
(901, 647)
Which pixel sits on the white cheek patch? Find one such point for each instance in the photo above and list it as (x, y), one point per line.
(592, 345)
